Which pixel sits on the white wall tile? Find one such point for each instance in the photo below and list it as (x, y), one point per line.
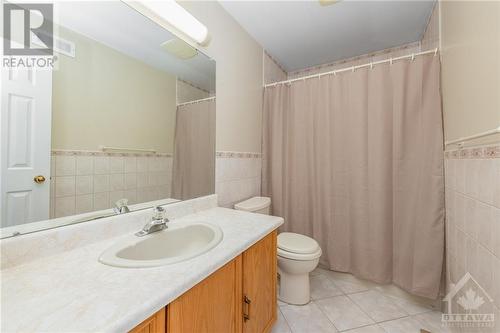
(237, 179)
(471, 207)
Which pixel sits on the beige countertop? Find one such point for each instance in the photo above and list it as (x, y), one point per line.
(72, 291)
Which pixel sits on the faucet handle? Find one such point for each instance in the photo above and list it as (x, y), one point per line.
(158, 213)
(121, 203)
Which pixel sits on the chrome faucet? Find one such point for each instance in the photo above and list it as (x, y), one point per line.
(158, 222)
(121, 207)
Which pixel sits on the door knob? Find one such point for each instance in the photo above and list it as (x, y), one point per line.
(39, 179)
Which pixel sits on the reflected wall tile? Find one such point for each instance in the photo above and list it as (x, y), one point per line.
(65, 186)
(84, 203)
(142, 180)
(114, 196)
(101, 200)
(101, 183)
(142, 164)
(65, 165)
(116, 182)
(116, 164)
(101, 165)
(130, 181)
(64, 206)
(130, 164)
(84, 165)
(84, 185)
(131, 196)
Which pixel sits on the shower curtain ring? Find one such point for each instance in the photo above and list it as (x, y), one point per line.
(412, 56)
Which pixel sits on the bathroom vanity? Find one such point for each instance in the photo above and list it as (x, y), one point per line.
(239, 297)
(56, 277)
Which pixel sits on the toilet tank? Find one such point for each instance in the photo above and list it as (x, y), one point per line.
(260, 205)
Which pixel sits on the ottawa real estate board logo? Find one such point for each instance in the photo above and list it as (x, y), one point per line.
(468, 305)
(28, 32)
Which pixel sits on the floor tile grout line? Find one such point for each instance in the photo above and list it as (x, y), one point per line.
(359, 306)
(327, 318)
(286, 321)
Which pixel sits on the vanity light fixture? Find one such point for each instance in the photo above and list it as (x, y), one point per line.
(170, 12)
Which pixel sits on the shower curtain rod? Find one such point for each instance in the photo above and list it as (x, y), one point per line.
(353, 68)
(196, 101)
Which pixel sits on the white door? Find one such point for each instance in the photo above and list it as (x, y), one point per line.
(26, 96)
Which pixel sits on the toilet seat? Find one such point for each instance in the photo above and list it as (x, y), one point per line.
(298, 256)
(297, 247)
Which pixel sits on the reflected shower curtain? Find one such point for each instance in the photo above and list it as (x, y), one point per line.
(193, 172)
(355, 160)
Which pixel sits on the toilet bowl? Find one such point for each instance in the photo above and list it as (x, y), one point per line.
(298, 255)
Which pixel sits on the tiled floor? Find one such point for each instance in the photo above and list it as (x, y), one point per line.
(342, 303)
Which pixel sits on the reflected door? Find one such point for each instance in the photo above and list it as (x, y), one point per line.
(25, 145)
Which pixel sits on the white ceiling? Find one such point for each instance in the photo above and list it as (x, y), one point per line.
(302, 34)
(120, 27)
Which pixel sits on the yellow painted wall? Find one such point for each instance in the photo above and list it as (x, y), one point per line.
(470, 51)
(103, 97)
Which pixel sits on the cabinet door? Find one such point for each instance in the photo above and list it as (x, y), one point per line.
(154, 324)
(213, 305)
(259, 285)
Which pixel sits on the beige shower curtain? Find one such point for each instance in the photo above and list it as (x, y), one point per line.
(193, 172)
(355, 160)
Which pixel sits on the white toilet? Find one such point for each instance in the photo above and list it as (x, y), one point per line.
(298, 255)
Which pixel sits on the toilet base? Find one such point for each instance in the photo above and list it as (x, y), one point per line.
(294, 288)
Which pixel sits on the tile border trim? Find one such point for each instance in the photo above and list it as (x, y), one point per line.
(219, 154)
(486, 152)
(234, 154)
(64, 152)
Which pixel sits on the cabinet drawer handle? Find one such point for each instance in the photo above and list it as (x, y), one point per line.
(246, 308)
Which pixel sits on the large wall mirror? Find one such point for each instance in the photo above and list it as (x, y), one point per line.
(124, 121)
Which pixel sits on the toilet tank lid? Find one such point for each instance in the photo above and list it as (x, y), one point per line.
(297, 243)
(253, 204)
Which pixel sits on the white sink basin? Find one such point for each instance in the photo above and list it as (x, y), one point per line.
(177, 243)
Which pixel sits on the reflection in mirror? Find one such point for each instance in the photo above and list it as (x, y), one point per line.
(124, 121)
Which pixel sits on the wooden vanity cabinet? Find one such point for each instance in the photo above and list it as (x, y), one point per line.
(240, 297)
(154, 324)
